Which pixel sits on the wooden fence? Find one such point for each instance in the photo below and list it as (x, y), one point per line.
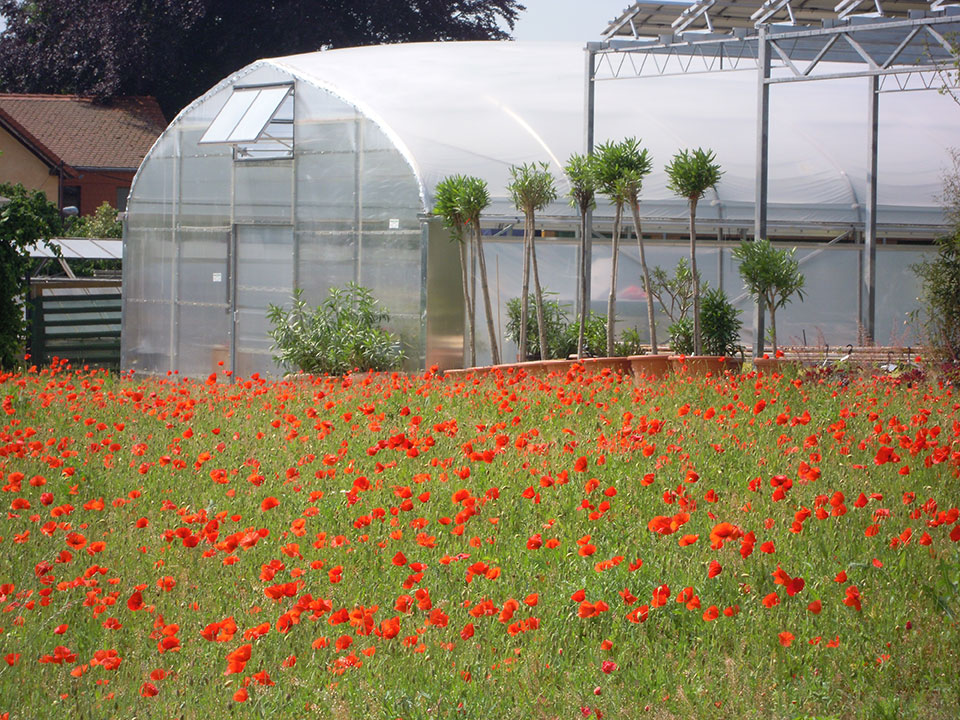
(77, 319)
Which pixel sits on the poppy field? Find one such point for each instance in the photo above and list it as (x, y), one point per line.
(412, 546)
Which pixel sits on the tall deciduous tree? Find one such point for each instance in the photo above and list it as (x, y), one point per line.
(583, 189)
(691, 174)
(532, 189)
(177, 49)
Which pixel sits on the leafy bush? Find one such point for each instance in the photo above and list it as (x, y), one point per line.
(341, 335)
(681, 336)
(561, 333)
(27, 218)
(719, 324)
(555, 329)
(104, 223)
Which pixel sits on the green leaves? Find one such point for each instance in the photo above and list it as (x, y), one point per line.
(532, 187)
(341, 335)
(459, 200)
(619, 169)
(769, 273)
(692, 173)
(26, 219)
(583, 182)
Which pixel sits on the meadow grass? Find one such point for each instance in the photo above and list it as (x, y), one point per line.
(501, 547)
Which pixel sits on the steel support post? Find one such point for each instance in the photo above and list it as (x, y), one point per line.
(869, 278)
(763, 146)
(589, 116)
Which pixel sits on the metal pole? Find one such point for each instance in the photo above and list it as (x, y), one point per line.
(590, 91)
(869, 279)
(763, 146)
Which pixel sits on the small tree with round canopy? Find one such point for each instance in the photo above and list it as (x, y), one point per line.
(691, 174)
(771, 274)
(619, 170)
(532, 189)
(473, 199)
(447, 206)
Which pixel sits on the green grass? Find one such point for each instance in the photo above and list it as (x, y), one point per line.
(350, 465)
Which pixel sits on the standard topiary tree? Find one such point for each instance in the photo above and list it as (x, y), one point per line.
(581, 173)
(474, 198)
(532, 189)
(619, 169)
(447, 206)
(771, 274)
(637, 164)
(690, 175)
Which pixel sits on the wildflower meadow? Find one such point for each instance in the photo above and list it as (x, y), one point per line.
(501, 546)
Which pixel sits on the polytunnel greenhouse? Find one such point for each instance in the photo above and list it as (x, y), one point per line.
(314, 170)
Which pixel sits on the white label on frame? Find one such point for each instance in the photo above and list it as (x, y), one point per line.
(218, 277)
(394, 223)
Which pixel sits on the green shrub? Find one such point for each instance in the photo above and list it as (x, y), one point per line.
(681, 336)
(719, 324)
(27, 218)
(343, 334)
(555, 322)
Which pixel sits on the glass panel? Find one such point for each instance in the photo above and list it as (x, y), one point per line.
(264, 276)
(228, 118)
(261, 111)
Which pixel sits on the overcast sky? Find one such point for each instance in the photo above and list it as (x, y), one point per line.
(567, 19)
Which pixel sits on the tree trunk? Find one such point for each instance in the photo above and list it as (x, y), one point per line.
(485, 287)
(773, 325)
(465, 277)
(697, 341)
(635, 208)
(541, 323)
(612, 299)
(473, 303)
(524, 292)
(584, 300)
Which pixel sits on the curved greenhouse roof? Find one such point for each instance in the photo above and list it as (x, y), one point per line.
(479, 107)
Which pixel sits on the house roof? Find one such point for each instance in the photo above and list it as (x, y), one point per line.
(83, 133)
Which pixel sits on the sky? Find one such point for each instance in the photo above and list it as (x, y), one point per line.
(567, 19)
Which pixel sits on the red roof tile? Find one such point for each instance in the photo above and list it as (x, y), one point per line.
(86, 134)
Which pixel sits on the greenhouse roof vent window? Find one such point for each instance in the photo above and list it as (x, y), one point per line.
(257, 120)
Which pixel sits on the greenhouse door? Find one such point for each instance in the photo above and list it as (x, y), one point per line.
(262, 275)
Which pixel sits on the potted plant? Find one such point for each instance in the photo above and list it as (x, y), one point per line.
(619, 170)
(720, 327)
(690, 175)
(531, 188)
(771, 274)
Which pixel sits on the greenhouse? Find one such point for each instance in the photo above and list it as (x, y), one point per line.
(315, 170)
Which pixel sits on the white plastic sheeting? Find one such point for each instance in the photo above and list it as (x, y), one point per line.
(211, 241)
(477, 108)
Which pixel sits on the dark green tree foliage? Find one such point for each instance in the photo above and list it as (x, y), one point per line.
(343, 334)
(176, 49)
(26, 219)
(719, 324)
